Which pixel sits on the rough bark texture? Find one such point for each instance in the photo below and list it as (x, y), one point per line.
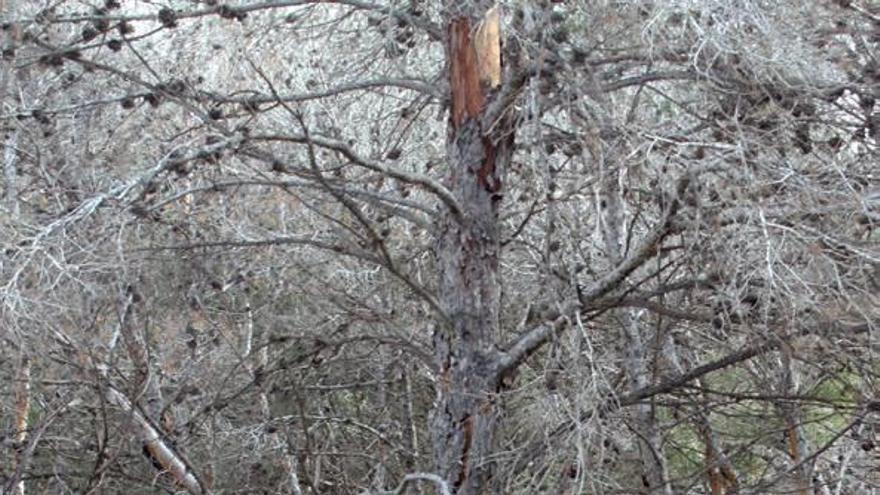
(467, 248)
(22, 385)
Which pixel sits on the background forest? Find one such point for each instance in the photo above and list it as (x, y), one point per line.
(458, 247)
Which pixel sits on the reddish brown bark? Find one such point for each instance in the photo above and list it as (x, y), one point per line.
(792, 439)
(722, 479)
(464, 74)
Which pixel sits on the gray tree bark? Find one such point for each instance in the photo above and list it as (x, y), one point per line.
(467, 246)
(22, 386)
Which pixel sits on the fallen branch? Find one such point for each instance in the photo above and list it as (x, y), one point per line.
(160, 452)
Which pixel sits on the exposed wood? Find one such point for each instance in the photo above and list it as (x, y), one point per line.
(464, 73)
(487, 44)
(158, 449)
(467, 248)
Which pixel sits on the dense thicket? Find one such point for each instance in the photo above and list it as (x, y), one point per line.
(295, 246)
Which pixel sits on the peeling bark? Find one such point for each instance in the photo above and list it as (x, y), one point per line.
(466, 410)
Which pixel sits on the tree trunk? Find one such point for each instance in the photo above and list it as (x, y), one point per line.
(465, 414)
(654, 472)
(720, 473)
(287, 460)
(637, 336)
(22, 386)
(795, 441)
(22, 396)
